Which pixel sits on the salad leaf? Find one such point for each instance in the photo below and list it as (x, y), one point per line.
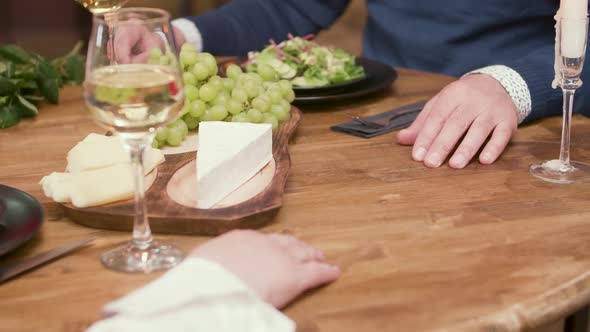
(8, 116)
(306, 63)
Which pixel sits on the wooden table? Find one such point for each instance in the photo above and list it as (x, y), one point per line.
(486, 248)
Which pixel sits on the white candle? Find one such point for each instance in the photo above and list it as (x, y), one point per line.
(573, 8)
(573, 27)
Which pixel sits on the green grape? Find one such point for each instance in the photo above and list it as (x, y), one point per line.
(269, 118)
(155, 53)
(175, 137)
(188, 58)
(186, 107)
(209, 60)
(279, 112)
(191, 121)
(228, 118)
(181, 125)
(162, 134)
(285, 86)
(216, 82)
(240, 95)
(191, 92)
(251, 88)
(200, 71)
(267, 73)
(221, 98)
(207, 92)
(255, 77)
(285, 105)
(189, 78)
(254, 115)
(215, 113)
(155, 144)
(261, 103)
(197, 108)
(234, 106)
(240, 117)
(228, 84)
(275, 95)
(164, 60)
(188, 47)
(233, 71)
(290, 96)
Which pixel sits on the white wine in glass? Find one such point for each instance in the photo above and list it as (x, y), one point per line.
(132, 97)
(99, 7)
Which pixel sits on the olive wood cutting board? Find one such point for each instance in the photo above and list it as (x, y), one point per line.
(171, 197)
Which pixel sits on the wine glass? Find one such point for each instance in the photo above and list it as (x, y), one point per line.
(98, 7)
(132, 97)
(571, 51)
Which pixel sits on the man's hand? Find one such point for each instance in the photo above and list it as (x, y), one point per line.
(277, 267)
(134, 41)
(463, 115)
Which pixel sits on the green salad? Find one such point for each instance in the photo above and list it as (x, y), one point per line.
(304, 63)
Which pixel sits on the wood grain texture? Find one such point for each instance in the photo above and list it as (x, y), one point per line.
(486, 248)
(168, 216)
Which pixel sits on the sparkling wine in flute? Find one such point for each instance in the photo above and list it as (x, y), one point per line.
(133, 98)
(99, 7)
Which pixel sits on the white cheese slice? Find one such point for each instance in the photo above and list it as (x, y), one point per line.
(99, 151)
(57, 186)
(229, 154)
(102, 186)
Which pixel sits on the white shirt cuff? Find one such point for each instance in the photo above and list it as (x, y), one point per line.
(190, 31)
(514, 84)
(196, 295)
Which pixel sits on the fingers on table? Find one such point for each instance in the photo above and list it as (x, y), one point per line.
(500, 138)
(453, 129)
(313, 274)
(434, 123)
(478, 132)
(302, 251)
(408, 136)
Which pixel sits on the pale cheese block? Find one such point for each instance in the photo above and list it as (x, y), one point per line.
(57, 186)
(99, 151)
(229, 154)
(102, 186)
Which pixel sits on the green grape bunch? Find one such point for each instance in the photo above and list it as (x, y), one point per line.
(238, 97)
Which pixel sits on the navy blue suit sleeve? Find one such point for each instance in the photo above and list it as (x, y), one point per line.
(245, 25)
(537, 70)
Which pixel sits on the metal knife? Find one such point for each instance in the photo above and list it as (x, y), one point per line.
(9, 271)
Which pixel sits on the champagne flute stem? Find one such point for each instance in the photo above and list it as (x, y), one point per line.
(568, 106)
(142, 234)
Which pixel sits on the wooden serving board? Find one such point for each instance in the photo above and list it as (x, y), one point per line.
(170, 200)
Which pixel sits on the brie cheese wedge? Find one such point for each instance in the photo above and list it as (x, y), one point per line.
(229, 154)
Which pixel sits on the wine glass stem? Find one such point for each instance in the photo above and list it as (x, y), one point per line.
(568, 105)
(142, 234)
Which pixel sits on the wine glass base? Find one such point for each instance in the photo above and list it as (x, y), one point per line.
(556, 172)
(139, 259)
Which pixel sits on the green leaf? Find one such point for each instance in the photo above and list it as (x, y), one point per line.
(3, 67)
(25, 108)
(73, 69)
(16, 54)
(26, 84)
(34, 98)
(48, 81)
(8, 116)
(6, 86)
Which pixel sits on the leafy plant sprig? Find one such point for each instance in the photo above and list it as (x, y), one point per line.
(26, 79)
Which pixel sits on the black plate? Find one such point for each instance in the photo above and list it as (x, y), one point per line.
(21, 216)
(379, 76)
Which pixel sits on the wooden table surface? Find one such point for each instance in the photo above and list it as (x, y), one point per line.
(486, 248)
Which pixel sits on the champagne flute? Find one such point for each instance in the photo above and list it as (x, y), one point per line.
(571, 50)
(132, 97)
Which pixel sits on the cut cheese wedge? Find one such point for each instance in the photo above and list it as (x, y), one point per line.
(101, 186)
(99, 151)
(57, 186)
(229, 154)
